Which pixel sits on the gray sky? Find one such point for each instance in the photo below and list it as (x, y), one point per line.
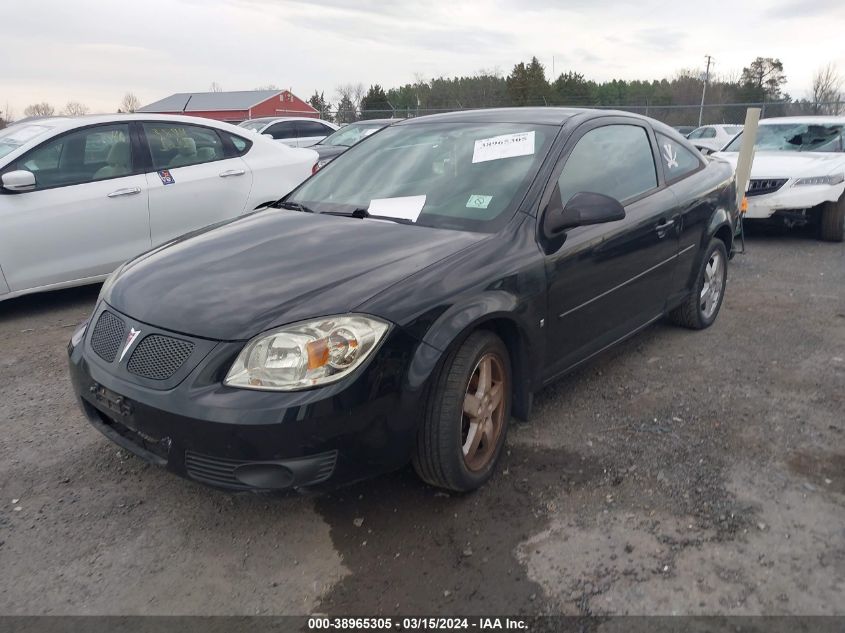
(93, 51)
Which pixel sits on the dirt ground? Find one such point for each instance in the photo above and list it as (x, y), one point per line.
(681, 473)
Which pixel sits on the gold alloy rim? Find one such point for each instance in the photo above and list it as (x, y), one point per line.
(483, 412)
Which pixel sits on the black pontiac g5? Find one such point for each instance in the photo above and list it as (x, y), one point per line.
(404, 301)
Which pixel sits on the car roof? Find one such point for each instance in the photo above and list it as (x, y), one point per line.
(67, 123)
(548, 116)
(271, 119)
(820, 120)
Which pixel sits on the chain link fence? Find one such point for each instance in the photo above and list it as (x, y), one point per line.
(675, 115)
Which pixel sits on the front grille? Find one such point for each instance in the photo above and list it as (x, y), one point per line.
(760, 186)
(159, 357)
(220, 471)
(107, 336)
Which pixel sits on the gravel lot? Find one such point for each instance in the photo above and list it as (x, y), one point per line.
(679, 473)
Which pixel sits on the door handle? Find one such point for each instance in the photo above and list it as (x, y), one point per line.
(129, 191)
(664, 227)
(232, 172)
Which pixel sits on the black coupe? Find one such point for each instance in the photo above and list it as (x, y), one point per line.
(405, 300)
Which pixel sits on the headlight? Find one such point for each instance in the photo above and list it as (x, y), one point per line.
(306, 354)
(323, 162)
(79, 334)
(832, 179)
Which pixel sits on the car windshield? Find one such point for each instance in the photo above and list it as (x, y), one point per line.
(254, 125)
(463, 176)
(349, 135)
(14, 136)
(732, 129)
(795, 137)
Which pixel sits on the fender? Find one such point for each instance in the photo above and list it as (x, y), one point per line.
(515, 321)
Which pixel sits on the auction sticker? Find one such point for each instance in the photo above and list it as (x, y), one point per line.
(504, 146)
(166, 177)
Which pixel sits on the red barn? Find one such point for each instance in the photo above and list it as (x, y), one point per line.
(233, 107)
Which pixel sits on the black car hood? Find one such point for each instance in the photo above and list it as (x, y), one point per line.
(274, 267)
(329, 151)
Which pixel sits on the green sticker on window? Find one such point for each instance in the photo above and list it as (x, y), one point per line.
(478, 202)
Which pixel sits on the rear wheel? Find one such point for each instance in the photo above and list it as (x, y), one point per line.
(467, 416)
(832, 221)
(701, 308)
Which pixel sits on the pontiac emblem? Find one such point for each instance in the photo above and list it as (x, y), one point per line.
(133, 334)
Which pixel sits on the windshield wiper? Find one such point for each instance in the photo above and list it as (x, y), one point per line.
(362, 213)
(293, 206)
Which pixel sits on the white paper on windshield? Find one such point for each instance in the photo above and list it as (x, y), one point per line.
(404, 208)
(505, 146)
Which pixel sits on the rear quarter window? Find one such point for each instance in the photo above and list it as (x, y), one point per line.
(678, 161)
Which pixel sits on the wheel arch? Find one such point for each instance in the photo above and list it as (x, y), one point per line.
(497, 312)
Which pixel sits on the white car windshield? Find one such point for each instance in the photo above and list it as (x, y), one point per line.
(795, 137)
(14, 136)
(255, 126)
(349, 135)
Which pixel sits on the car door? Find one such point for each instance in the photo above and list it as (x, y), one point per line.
(284, 132)
(310, 133)
(87, 214)
(607, 280)
(195, 178)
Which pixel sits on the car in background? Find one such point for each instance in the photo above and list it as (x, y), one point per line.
(79, 196)
(798, 173)
(712, 138)
(292, 131)
(334, 145)
(400, 304)
(684, 130)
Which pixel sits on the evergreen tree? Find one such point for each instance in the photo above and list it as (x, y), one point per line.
(375, 104)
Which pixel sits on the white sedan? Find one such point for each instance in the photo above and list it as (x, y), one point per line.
(79, 196)
(798, 174)
(712, 138)
(295, 131)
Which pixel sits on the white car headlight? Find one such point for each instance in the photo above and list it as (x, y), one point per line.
(306, 354)
(323, 162)
(831, 179)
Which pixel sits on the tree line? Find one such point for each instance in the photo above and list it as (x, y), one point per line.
(674, 100)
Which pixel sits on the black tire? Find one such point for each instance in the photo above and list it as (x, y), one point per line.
(692, 313)
(832, 221)
(439, 454)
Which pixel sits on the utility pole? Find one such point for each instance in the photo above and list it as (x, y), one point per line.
(704, 90)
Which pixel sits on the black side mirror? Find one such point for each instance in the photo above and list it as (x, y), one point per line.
(582, 209)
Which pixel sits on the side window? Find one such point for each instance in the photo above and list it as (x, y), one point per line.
(615, 160)
(678, 161)
(312, 128)
(696, 133)
(90, 154)
(240, 144)
(283, 130)
(708, 132)
(175, 145)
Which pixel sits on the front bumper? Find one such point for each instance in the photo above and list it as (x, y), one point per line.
(791, 198)
(240, 439)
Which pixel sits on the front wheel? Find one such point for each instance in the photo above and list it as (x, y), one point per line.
(466, 417)
(832, 228)
(702, 306)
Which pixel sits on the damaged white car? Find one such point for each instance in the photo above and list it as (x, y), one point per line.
(798, 174)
